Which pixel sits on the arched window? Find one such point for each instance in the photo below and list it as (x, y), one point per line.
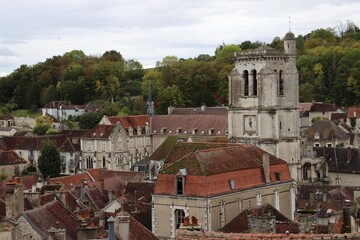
(104, 162)
(89, 162)
(253, 72)
(281, 83)
(246, 82)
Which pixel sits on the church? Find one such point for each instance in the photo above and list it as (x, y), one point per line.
(263, 102)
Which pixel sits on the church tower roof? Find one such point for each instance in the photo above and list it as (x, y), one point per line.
(289, 36)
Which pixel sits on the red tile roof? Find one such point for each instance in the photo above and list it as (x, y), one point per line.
(353, 112)
(100, 131)
(210, 170)
(51, 214)
(130, 121)
(8, 157)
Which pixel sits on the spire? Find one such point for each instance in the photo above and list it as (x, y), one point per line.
(150, 103)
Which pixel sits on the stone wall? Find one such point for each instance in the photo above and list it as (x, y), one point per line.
(25, 231)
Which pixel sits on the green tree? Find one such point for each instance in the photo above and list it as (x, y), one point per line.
(226, 53)
(169, 96)
(3, 174)
(49, 162)
(43, 124)
(50, 94)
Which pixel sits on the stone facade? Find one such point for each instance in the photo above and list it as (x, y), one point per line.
(263, 102)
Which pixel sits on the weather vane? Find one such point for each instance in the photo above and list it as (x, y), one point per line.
(289, 24)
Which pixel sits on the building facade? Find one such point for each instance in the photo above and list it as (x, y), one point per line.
(263, 101)
(214, 183)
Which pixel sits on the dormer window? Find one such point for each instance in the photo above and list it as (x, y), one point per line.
(163, 130)
(130, 131)
(180, 181)
(180, 184)
(232, 184)
(316, 136)
(138, 130)
(178, 130)
(211, 131)
(194, 131)
(277, 176)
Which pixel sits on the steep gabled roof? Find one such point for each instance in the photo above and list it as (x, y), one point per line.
(100, 131)
(204, 160)
(346, 160)
(327, 130)
(130, 121)
(208, 171)
(6, 116)
(9, 157)
(164, 149)
(50, 215)
(240, 224)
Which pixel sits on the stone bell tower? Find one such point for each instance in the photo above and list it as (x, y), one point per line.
(263, 101)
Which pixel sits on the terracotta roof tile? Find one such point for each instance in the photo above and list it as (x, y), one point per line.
(51, 214)
(353, 112)
(130, 121)
(100, 131)
(8, 157)
(210, 170)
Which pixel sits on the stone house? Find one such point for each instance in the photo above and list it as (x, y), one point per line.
(323, 208)
(7, 120)
(11, 163)
(343, 165)
(261, 219)
(137, 137)
(325, 133)
(214, 182)
(309, 111)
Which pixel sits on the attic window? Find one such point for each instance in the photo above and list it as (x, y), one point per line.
(163, 130)
(178, 130)
(194, 131)
(94, 134)
(232, 184)
(180, 185)
(211, 131)
(277, 176)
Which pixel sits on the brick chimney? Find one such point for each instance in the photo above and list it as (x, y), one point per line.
(266, 167)
(14, 199)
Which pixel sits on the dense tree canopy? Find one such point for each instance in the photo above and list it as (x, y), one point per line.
(328, 62)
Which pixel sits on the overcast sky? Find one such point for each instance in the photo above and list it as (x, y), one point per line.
(148, 30)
